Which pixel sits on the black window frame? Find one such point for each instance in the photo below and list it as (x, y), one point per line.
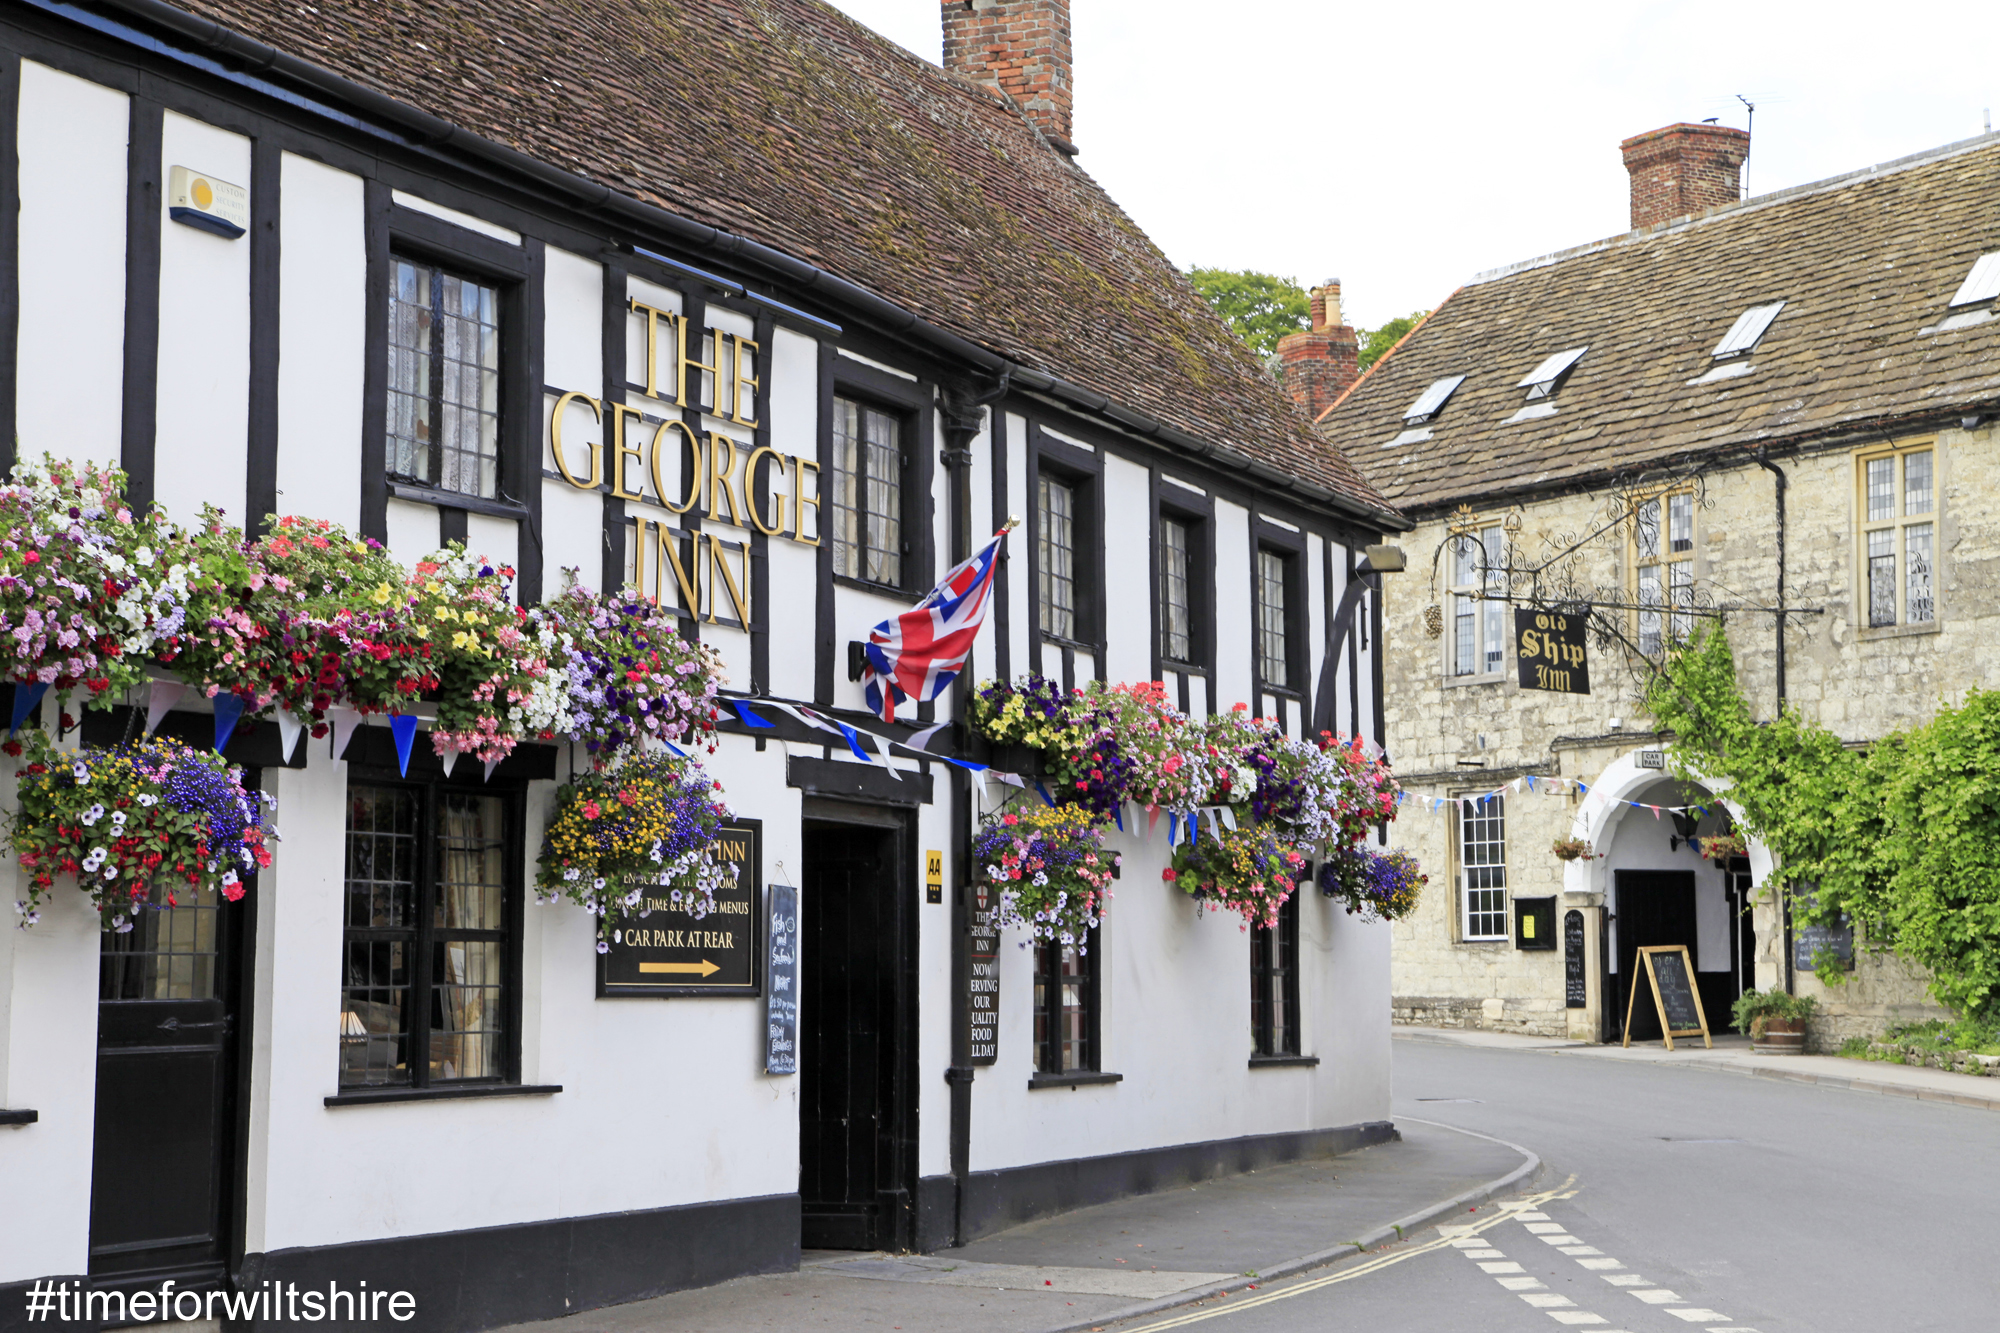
(438, 273)
(906, 542)
(1197, 519)
(1083, 471)
(1274, 964)
(423, 936)
(912, 404)
(1289, 547)
(394, 232)
(1047, 978)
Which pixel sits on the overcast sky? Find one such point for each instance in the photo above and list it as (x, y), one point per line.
(1404, 147)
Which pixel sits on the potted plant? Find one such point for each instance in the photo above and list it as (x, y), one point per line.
(1572, 849)
(1775, 1021)
(1722, 846)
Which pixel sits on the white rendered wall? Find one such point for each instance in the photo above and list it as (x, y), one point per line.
(794, 398)
(1020, 565)
(323, 335)
(572, 359)
(1234, 638)
(71, 355)
(1128, 588)
(201, 442)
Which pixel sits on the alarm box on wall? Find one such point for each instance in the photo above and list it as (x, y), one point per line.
(1535, 923)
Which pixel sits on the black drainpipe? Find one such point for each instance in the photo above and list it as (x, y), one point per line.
(1784, 905)
(963, 408)
(1779, 473)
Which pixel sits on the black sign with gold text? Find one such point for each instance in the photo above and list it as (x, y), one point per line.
(669, 952)
(1549, 650)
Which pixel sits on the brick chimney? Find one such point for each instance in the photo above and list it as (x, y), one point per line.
(1319, 364)
(1021, 47)
(1683, 169)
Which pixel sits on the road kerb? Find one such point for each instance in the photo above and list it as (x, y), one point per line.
(1396, 1230)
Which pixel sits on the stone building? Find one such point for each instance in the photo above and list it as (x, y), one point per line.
(1780, 411)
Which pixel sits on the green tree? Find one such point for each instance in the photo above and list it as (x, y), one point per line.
(1374, 342)
(1261, 308)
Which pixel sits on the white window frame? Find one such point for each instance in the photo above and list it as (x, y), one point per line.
(1485, 875)
(1897, 536)
(1662, 551)
(1471, 603)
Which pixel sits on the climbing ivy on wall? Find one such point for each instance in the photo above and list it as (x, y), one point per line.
(1904, 838)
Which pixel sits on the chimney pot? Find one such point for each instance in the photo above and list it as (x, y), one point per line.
(1684, 169)
(1020, 47)
(1320, 364)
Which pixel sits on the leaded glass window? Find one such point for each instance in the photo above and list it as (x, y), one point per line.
(444, 380)
(1065, 1006)
(1898, 538)
(1663, 570)
(867, 494)
(1273, 625)
(1176, 605)
(1056, 555)
(1479, 605)
(1274, 984)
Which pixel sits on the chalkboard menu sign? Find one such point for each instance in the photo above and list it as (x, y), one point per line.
(982, 975)
(1810, 940)
(1575, 995)
(669, 952)
(1550, 652)
(781, 994)
(1671, 974)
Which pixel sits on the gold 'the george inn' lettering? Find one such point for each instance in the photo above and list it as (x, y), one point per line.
(720, 475)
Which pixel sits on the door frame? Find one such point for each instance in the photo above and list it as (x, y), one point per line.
(901, 1114)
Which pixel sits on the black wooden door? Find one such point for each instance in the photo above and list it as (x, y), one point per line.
(1654, 907)
(851, 1196)
(161, 1178)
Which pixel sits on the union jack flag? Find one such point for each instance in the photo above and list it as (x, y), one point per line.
(917, 654)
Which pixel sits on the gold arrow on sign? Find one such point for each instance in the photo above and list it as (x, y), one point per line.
(703, 968)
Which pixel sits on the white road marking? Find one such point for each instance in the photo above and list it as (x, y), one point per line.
(1659, 1296)
(1697, 1315)
(1504, 1267)
(1546, 1300)
(1545, 1228)
(1564, 1239)
(1519, 1283)
(1596, 1264)
(1577, 1251)
(1483, 1254)
(1627, 1280)
(1577, 1317)
(1531, 1217)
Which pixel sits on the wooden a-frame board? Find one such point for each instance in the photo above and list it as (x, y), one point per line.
(1684, 985)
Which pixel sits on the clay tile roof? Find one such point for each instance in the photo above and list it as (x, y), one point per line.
(1865, 264)
(787, 122)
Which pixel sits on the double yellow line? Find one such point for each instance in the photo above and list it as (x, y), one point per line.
(1375, 1265)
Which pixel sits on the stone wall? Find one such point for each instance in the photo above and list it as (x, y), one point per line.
(1449, 736)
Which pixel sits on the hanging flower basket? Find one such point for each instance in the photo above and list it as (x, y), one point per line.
(125, 822)
(640, 837)
(631, 675)
(1572, 849)
(1051, 869)
(1380, 886)
(1723, 846)
(1245, 869)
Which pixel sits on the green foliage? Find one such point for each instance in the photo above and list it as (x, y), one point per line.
(1752, 1005)
(1374, 342)
(1261, 308)
(1978, 1035)
(1903, 838)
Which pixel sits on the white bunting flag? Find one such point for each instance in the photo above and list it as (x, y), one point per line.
(165, 694)
(289, 728)
(344, 721)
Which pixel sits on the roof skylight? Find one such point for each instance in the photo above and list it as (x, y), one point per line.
(1542, 383)
(1432, 400)
(1748, 328)
(1982, 284)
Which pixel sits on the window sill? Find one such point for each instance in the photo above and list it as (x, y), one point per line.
(19, 1118)
(1185, 668)
(373, 1096)
(1283, 1061)
(1490, 678)
(472, 504)
(1866, 633)
(1491, 942)
(870, 585)
(1079, 1078)
(1077, 645)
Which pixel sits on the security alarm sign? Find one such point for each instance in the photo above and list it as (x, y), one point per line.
(1549, 650)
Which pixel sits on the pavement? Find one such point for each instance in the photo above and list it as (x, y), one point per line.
(1733, 1054)
(1115, 1261)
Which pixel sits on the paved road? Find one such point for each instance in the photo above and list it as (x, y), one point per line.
(1674, 1199)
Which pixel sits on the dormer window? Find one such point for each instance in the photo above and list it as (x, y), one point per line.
(1731, 354)
(1420, 413)
(1973, 303)
(1542, 383)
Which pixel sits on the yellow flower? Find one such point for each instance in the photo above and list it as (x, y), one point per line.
(381, 595)
(446, 613)
(433, 586)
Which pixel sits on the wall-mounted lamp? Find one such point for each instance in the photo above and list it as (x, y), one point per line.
(1685, 826)
(1382, 560)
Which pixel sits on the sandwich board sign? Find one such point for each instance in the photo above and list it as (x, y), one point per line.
(1671, 973)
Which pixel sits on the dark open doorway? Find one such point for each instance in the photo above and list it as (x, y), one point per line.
(857, 1034)
(1653, 907)
(164, 1188)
